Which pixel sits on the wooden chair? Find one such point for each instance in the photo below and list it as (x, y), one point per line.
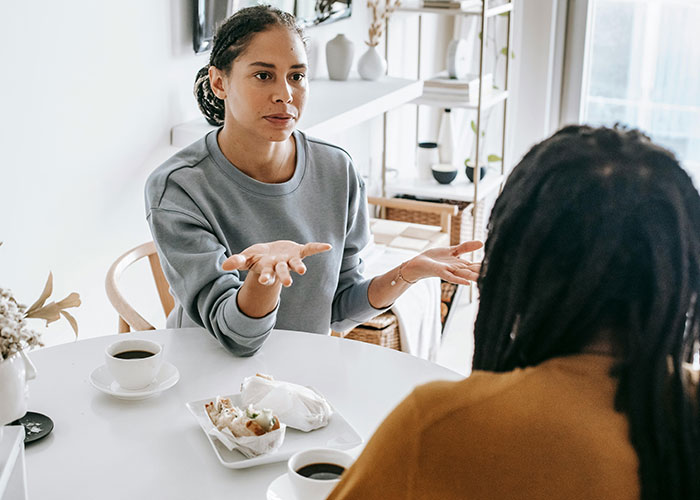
(129, 319)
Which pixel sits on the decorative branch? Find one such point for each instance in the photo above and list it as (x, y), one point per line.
(15, 332)
(379, 17)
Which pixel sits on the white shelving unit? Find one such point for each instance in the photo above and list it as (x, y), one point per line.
(490, 101)
(458, 190)
(468, 8)
(332, 106)
(462, 190)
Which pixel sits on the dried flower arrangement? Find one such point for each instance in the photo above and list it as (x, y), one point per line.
(379, 17)
(15, 333)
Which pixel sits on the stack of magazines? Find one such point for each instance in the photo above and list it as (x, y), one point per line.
(463, 90)
(448, 4)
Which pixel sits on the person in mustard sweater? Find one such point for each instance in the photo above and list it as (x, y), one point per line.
(587, 328)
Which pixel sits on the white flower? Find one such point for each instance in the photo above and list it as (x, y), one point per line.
(15, 333)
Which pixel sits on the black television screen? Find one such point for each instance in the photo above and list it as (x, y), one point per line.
(208, 14)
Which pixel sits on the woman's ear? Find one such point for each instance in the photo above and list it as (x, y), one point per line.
(216, 82)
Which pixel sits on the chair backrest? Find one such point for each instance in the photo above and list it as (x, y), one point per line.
(129, 319)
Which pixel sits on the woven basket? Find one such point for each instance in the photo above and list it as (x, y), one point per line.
(461, 224)
(382, 330)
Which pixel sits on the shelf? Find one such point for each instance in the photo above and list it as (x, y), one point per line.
(461, 189)
(445, 101)
(332, 106)
(472, 8)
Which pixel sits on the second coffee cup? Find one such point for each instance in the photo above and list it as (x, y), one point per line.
(134, 363)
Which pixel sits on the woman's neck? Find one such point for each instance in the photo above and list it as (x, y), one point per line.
(265, 161)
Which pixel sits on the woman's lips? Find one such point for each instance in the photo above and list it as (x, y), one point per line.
(279, 119)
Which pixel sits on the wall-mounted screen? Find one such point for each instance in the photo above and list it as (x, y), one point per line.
(209, 14)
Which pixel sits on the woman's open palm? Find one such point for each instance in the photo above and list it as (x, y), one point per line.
(447, 264)
(273, 261)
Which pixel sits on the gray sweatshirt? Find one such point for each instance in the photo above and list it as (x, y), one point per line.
(202, 209)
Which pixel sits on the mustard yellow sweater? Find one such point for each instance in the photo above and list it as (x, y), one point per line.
(545, 432)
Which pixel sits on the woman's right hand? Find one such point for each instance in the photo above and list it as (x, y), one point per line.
(272, 261)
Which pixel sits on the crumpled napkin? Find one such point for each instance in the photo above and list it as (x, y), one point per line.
(250, 446)
(299, 407)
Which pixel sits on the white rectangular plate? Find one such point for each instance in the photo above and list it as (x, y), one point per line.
(337, 434)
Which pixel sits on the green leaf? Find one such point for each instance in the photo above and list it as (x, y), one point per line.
(496, 87)
(512, 54)
(473, 124)
(494, 158)
(480, 36)
(504, 14)
(504, 51)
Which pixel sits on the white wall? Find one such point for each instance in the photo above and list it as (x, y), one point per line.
(89, 93)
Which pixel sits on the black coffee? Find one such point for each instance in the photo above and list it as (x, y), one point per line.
(134, 354)
(322, 471)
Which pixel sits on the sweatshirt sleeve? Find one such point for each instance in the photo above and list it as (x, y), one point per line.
(191, 257)
(351, 304)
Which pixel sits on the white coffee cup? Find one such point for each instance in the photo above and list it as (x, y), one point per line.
(135, 373)
(315, 489)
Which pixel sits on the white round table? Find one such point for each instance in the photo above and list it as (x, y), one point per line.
(103, 447)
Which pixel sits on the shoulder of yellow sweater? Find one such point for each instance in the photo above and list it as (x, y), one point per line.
(481, 386)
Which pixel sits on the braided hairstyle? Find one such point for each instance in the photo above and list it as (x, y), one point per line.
(597, 231)
(231, 40)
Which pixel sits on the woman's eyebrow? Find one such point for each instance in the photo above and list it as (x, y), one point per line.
(272, 66)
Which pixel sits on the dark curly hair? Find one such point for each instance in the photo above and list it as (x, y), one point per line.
(231, 40)
(598, 230)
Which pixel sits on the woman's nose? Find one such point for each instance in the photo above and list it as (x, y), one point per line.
(283, 93)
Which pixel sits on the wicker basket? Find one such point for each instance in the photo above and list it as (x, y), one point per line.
(382, 330)
(461, 224)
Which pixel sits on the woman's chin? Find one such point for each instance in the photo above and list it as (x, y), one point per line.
(279, 135)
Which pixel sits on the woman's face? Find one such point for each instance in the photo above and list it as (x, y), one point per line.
(265, 90)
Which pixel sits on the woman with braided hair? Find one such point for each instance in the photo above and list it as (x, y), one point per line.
(235, 212)
(588, 319)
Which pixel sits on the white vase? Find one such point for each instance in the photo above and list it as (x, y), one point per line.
(339, 53)
(15, 371)
(446, 138)
(371, 65)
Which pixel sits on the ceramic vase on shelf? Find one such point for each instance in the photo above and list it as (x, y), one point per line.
(371, 65)
(15, 371)
(446, 138)
(426, 156)
(339, 54)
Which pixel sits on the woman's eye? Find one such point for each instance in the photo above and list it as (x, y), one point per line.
(297, 77)
(263, 76)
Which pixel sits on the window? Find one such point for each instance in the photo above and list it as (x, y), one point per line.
(641, 68)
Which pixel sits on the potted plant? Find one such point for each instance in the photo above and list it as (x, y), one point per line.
(16, 337)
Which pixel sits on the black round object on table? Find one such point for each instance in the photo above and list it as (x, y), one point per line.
(36, 426)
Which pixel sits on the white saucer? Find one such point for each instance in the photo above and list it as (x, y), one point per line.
(102, 380)
(281, 489)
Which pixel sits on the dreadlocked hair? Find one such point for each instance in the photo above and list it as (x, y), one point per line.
(231, 40)
(597, 231)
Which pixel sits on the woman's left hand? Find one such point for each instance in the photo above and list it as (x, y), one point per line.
(445, 263)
